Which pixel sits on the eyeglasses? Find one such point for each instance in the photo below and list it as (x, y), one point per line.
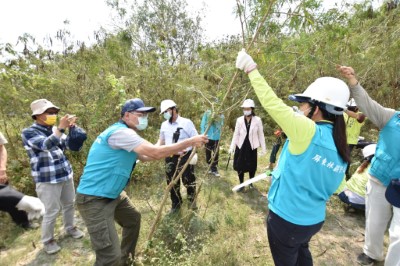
(139, 114)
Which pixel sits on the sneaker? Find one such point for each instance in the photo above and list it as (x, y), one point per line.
(364, 259)
(51, 247)
(215, 173)
(75, 233)
(251, 186)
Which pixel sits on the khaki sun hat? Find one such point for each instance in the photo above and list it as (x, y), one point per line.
(40, 106)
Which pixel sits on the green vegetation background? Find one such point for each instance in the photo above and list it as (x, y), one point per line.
(157, 52)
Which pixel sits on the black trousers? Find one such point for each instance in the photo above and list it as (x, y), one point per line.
(188, 179)
(9, 198)
(211, 149)
(288, 242)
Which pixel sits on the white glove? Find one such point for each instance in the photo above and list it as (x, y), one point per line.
(32, 206)
(231, 151)
(193, 161)
(245, 62)
(262, 153)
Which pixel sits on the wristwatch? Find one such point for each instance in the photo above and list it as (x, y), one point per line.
(62, 130)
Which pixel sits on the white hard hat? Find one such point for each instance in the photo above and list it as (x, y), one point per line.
(332, 92)
(166, 104)
(352, 102)
(369, 150)
(248, 103)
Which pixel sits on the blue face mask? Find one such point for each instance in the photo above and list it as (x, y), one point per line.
(167, 115)
(143, 122)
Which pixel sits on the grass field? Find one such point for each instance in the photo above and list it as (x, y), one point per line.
(228, 228)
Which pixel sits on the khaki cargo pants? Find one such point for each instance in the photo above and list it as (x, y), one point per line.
(99, 214)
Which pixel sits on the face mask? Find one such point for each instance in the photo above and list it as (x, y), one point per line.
(50, 120)
(247, 113)
(167, 115)
(143, 122)
(298, 111)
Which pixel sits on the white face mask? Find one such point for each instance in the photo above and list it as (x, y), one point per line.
(167, 115)
(247, 113)
(143, 122)
(298, 111)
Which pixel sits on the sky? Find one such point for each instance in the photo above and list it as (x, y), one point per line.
(42, 18)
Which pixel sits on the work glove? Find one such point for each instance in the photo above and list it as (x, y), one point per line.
(245, 62)
(32, 206)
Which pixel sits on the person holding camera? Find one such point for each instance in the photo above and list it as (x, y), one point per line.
(45, 143)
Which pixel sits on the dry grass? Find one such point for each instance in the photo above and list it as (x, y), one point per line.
(228, 229)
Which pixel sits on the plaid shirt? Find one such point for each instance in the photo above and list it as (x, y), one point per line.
(46, 152)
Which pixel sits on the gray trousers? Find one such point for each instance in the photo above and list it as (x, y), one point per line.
(99, 214)
(56, 197)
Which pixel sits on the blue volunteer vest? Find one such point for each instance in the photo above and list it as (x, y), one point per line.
(386, 163)
(107, 170)
(301, 184)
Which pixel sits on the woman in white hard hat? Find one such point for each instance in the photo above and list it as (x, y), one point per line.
(353, 191)
(248, 136)
(311, 165)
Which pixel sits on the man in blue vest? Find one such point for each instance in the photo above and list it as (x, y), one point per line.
(101, 198)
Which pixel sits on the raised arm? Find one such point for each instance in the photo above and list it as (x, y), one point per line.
(378, 114)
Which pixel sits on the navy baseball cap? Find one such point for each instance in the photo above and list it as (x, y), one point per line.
(136, 104)
(393, 192)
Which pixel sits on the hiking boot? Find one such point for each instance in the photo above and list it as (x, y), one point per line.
(75, 233)
(364, 259)
(51, 247)
(215, 173)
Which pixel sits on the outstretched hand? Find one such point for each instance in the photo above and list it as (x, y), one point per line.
(348, 73)
(199, 140)
(245, 62)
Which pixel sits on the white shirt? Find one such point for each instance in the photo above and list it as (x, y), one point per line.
(125, 139)
(167, 130)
